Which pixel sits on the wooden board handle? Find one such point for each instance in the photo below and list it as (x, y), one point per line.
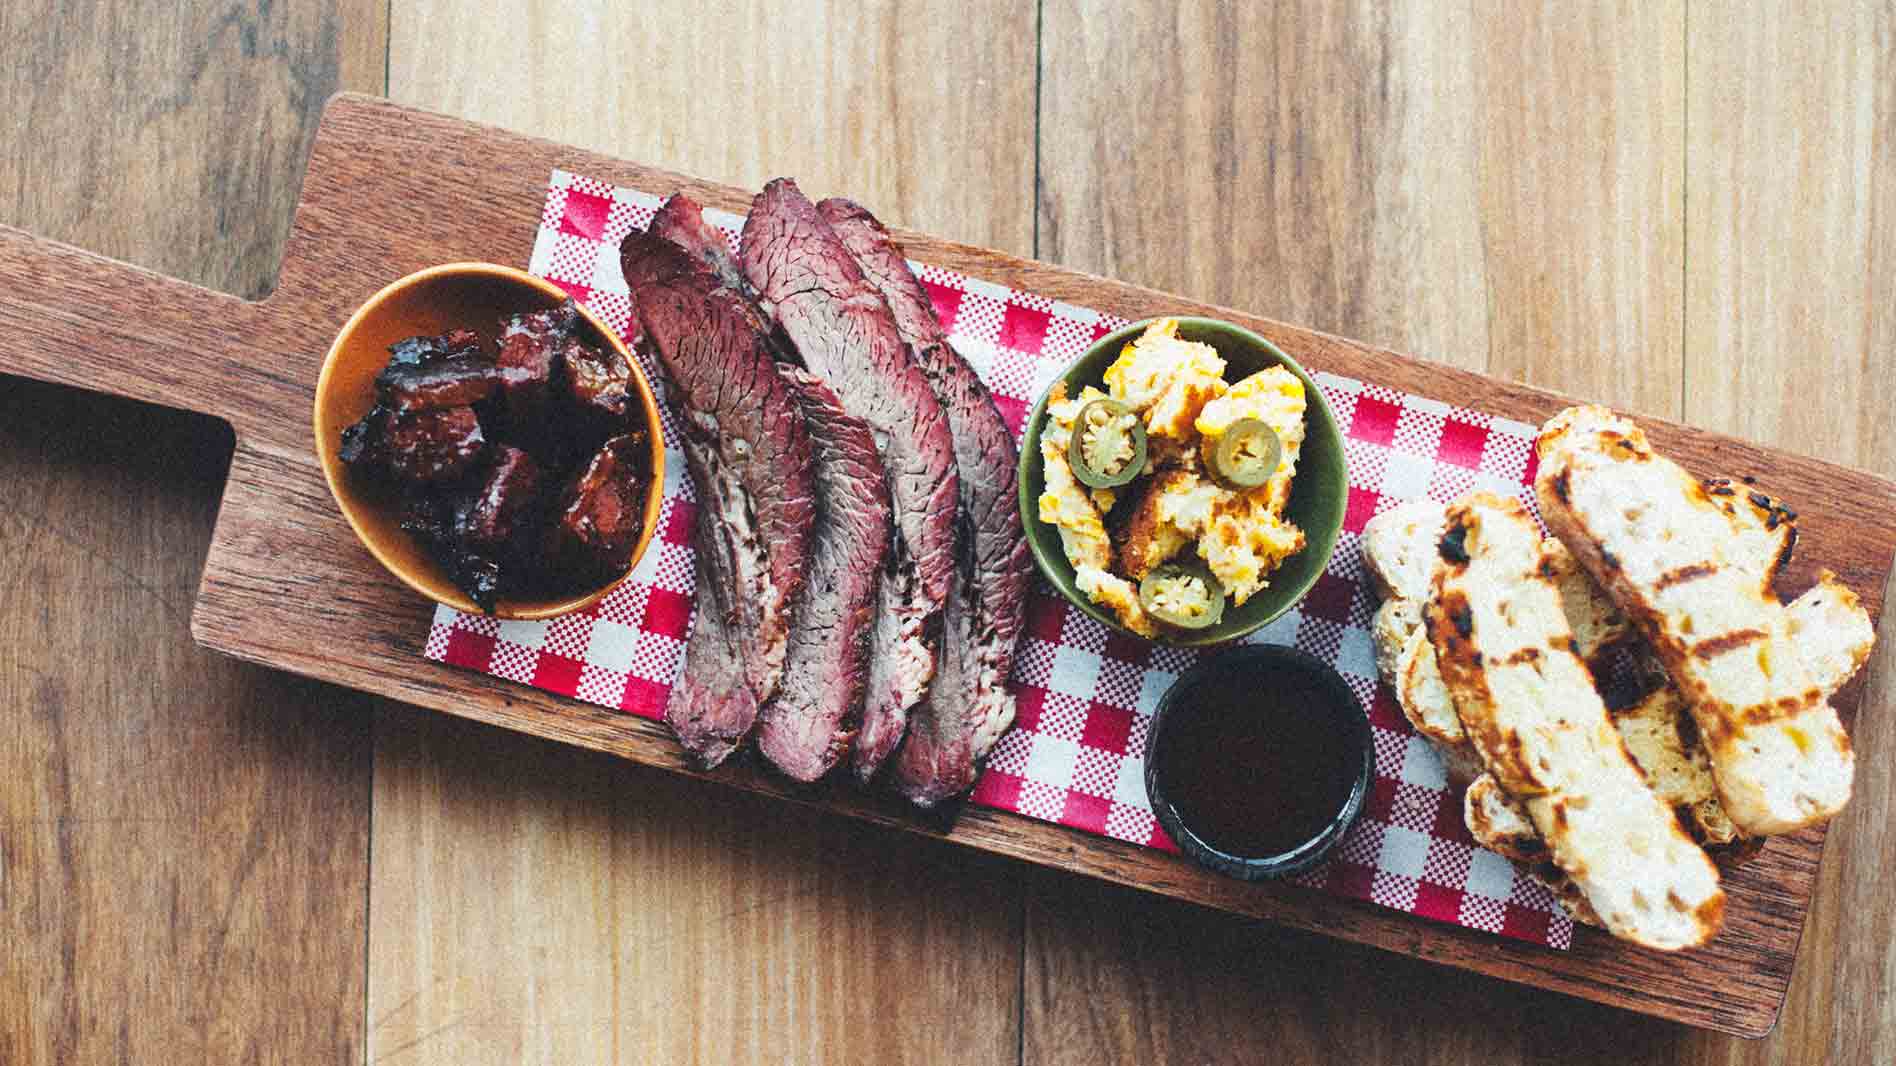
(76, 318)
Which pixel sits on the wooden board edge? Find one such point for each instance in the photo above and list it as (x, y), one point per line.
(498, 701)
(443, 688)
(1039, 277)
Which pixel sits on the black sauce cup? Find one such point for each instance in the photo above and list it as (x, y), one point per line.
(1333, 700)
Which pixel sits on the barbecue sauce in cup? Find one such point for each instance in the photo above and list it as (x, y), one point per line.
(1259, 761)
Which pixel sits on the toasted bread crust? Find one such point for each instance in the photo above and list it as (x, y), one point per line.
(1672, 555)
(1506, 654)
(1766, 527)
(1399, 549)
(1499, 823)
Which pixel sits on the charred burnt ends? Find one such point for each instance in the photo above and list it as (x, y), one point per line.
(521, 466)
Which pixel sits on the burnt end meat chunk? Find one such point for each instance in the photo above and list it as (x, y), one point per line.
(457, 382)
(364, 442)
(430, 447)
(527, 363)
(481, 533)
(416, 351)
(473, 573)
(598, 382)
(529, 360)
(601, 514)
(502, 505)
(427, 517)
(424, 373)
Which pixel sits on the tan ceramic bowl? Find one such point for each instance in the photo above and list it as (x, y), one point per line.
(466, 295)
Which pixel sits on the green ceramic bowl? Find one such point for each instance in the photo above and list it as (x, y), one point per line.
(1318, 496)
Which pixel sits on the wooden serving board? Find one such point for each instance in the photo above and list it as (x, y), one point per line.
(391, 190)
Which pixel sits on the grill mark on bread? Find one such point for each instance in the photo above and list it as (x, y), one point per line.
(1681, 575)
(1780, 760)
(1786, 707)
(1531, 709)
(1784, 556)
(1712, 647)
(1454, 547)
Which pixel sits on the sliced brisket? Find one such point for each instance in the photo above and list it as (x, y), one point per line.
(750, 461)
(680, 220)
(969, 706)
(845, 333)
(806, 730)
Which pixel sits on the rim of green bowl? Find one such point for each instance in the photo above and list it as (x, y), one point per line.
(1043, 540)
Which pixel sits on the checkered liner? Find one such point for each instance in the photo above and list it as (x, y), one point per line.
(1076, 753)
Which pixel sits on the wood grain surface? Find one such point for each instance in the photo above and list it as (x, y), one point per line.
(1506, 199)
(183, 838)
(926, 110)
(1791, 339)
(1579, 199)
(665, 923)
(336, 618)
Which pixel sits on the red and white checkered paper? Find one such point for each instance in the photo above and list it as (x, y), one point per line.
(1076, 753)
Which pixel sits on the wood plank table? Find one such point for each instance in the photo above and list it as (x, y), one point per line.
(1670, 207)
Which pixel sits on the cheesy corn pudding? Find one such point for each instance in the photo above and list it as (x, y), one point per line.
(1169, 487)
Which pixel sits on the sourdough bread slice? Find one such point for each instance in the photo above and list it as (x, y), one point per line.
(1596, 620)
(1833, 631)
(1395, 622)
(1499, 823)
(1506, 654)
(1661, 738)
(1399, 549)
(1674, 561)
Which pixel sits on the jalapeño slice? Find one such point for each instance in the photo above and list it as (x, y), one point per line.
(1108, 446)
(1183, 595)
(1245, 455)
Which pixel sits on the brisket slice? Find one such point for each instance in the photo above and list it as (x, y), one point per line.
(749, 457)
(846, 334)
(806, 730)
(969, 706)
(680, 220)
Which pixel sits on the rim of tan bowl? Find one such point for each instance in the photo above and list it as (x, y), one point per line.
(436, 586)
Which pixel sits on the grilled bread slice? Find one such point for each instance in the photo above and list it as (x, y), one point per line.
(1661, 738)
(1507, 656)
(1832, 630)
(1399, 549)
(1499, 823)
(1406, 662)
(1425, 700)
(1766, 529)
(1390, 630)
(1597, 622)
(1671, 557)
